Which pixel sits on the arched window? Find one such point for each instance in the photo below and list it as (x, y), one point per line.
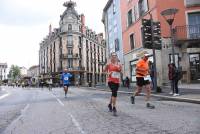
(70, 27)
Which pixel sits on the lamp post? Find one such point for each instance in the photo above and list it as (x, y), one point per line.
(169, 15)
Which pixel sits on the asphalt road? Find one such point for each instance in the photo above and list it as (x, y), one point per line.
(36, 111)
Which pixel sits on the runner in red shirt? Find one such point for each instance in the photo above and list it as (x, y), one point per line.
(114, 70)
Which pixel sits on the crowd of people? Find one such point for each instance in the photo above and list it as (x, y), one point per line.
(145, 78)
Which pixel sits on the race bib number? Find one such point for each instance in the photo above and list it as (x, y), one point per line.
(115, 75)
(66, 78)
(147, 78)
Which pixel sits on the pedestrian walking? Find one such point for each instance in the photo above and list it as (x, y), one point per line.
(50, 84)
(143, 80)
(66, 80)
(152, 74)
(127, 81)
(113, 68)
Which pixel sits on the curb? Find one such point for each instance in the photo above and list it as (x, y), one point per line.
(183, 88)
(178, 99)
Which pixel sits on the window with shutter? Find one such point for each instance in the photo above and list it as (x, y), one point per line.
(130, 20)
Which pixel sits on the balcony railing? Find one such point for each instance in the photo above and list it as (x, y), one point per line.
(189, 32)
(69, 56)
(192, 3)
(76, 69)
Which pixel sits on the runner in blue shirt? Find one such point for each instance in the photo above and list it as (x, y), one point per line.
(66, 80)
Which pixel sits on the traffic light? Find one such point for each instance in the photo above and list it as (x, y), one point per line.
(151, 34)
(146, 33)
(157, 35)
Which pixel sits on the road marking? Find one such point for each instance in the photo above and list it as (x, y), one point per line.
(25, 109)
(72, 117)
(3, 96)
(76, 124)
(13, 125)
(59, 101)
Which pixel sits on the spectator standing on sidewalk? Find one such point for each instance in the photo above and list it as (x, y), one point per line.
(171, 76)
(178, 76)
(113, 68)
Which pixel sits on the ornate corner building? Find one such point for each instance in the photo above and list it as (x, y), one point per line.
(73, 46)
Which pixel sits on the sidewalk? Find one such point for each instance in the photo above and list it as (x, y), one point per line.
(188, 92)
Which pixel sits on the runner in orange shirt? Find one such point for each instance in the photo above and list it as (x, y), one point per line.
(114, 70)
(142, 79)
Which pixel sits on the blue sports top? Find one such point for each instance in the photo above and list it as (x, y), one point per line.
(65, 78)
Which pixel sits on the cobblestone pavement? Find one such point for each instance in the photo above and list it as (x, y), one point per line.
(36, 111)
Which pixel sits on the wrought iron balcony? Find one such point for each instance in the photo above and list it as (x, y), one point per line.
(189, 32)
(192, 3)
(69, 56)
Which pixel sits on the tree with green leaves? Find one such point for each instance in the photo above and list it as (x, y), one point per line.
(14, 73)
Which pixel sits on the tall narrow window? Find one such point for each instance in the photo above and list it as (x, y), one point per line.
(143, 7)
(70, 51)
(116, 45)
(70, 27)
(114, 6)
(70, 63)
(194, 22)
(132, 42)
(69, 40)
(130, 19)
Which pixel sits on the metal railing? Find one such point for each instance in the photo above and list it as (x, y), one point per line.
(69, 56)
(189, 32)
(191, 3)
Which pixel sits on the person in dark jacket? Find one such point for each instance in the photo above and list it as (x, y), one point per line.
(127, 81)
(174, 76)
(177, 77)
(171, 73)
(151, 72)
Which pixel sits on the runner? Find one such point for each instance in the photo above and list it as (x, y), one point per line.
(50, 84)
(113, 69)
(65, 79)
(142, 73)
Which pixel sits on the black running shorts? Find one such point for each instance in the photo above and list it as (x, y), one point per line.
(141, 82)
(114, 88)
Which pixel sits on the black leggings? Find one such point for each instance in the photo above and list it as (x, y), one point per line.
(114, 88)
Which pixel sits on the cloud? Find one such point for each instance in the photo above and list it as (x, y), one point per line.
(26, 12)
(24, 23)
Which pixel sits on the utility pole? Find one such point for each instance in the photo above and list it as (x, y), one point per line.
(154, 55)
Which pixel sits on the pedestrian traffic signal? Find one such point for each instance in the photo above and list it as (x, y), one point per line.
(147, 33)
(151, 34)
(157, 35)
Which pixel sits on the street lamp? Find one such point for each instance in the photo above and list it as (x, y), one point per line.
(169, 15)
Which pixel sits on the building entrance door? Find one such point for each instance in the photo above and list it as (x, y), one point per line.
(195, 67)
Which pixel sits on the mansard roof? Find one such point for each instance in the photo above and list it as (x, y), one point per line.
(70, 9)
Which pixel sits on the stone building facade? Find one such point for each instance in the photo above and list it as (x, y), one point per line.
(73, 46)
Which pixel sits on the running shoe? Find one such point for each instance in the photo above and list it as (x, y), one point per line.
(114, 111)
(150, 106)
(110, 107)
(133, 99)
(176, 94)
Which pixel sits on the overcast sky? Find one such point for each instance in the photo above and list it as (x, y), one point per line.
(24, 23)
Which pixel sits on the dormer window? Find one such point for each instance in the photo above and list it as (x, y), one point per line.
(70, 27)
